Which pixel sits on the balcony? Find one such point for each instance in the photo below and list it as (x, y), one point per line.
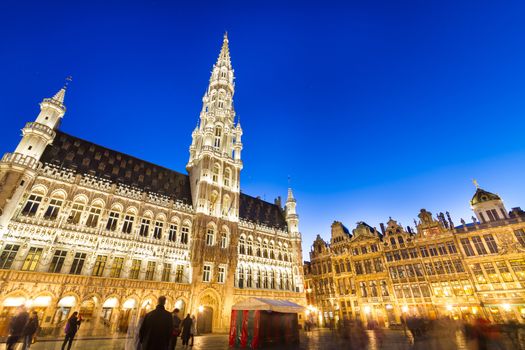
(19, 159)
(38, 128)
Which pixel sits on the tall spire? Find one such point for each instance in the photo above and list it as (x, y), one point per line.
(224, 55)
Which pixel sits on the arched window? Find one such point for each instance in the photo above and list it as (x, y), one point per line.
(392, 241)
(240, 277)
(400, 240)
(210, 236)
(215, 173)
(55, 203)
(224, 240)
(250, 246)
(32, 204)
(94, 214)
(272, 252)
(184, 233)
(76, 210)
(227, 177)
(242, 245)
(218, 135)
(258, 247)
(265, 249)
(249, 277)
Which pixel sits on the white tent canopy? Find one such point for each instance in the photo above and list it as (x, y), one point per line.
(283, 306)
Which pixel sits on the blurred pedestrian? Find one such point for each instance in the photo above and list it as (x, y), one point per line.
(186, 330)
(176, 329)
(156, 330)
(193, 330)
(71, 329)
(30, 330)
(16, 327)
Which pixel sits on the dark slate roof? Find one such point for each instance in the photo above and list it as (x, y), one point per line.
(84, 157)
(259, 211)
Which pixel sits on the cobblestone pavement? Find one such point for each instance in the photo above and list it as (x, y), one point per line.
(317, 339)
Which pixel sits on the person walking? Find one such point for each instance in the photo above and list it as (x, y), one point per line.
(156, 330)
(193, 330)
(176, 329)
(16, 327)
(71, 329)
(30, 330)
(186, 330)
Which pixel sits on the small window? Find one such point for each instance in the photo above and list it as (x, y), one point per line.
(150, 270)
(135, 269)
(210, 237)
(116, 268)
(166, 272)
(144, 227)
(128, 223)
(184, 234)
(224, 240)
(221, 274)
(100, 264)
(172, 233)
(58, 261)
(8, 256)
(157, 231)
(112, 221)
(78, 263)
(206, 275)
(93, 217)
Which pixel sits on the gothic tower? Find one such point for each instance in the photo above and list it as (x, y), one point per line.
(18, 169)
(215, 152)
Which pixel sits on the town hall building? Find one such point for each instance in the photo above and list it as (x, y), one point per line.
(89, 229)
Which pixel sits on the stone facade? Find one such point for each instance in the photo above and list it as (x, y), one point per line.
(436, 270)
(86, 228)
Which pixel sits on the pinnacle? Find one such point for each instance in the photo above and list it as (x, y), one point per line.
(59, 96)
(290, 195)
(224, 56)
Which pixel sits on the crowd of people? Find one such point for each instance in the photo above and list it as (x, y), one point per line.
(160, 329)
(157, 330)
(22, 327)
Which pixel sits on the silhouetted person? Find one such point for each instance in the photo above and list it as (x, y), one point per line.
(16, 327)
(30, 330)
(176, 329)
(193, 331)
(157, 328)
(186, 329)
(71, 330)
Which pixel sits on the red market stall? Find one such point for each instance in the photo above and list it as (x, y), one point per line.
(259, 322)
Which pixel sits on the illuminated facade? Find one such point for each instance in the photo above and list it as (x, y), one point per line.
(86, 228)
(436, 270)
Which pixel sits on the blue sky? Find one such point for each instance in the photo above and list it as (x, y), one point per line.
(374, 108)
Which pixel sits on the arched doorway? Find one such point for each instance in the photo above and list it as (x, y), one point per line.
(205, 320)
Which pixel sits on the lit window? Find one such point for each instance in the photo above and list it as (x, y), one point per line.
(135, 269)
(100, 264)
(116, 268)
(32, 259)
(206, 275)
(150, 270)
(215, 173)
(227, 176)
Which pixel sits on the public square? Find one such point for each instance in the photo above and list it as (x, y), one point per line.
(316, 339)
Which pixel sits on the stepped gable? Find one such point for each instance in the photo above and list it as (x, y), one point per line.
(84, 157)
(259, 211)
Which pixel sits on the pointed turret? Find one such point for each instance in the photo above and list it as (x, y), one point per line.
(59, 96)
(292, 218)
